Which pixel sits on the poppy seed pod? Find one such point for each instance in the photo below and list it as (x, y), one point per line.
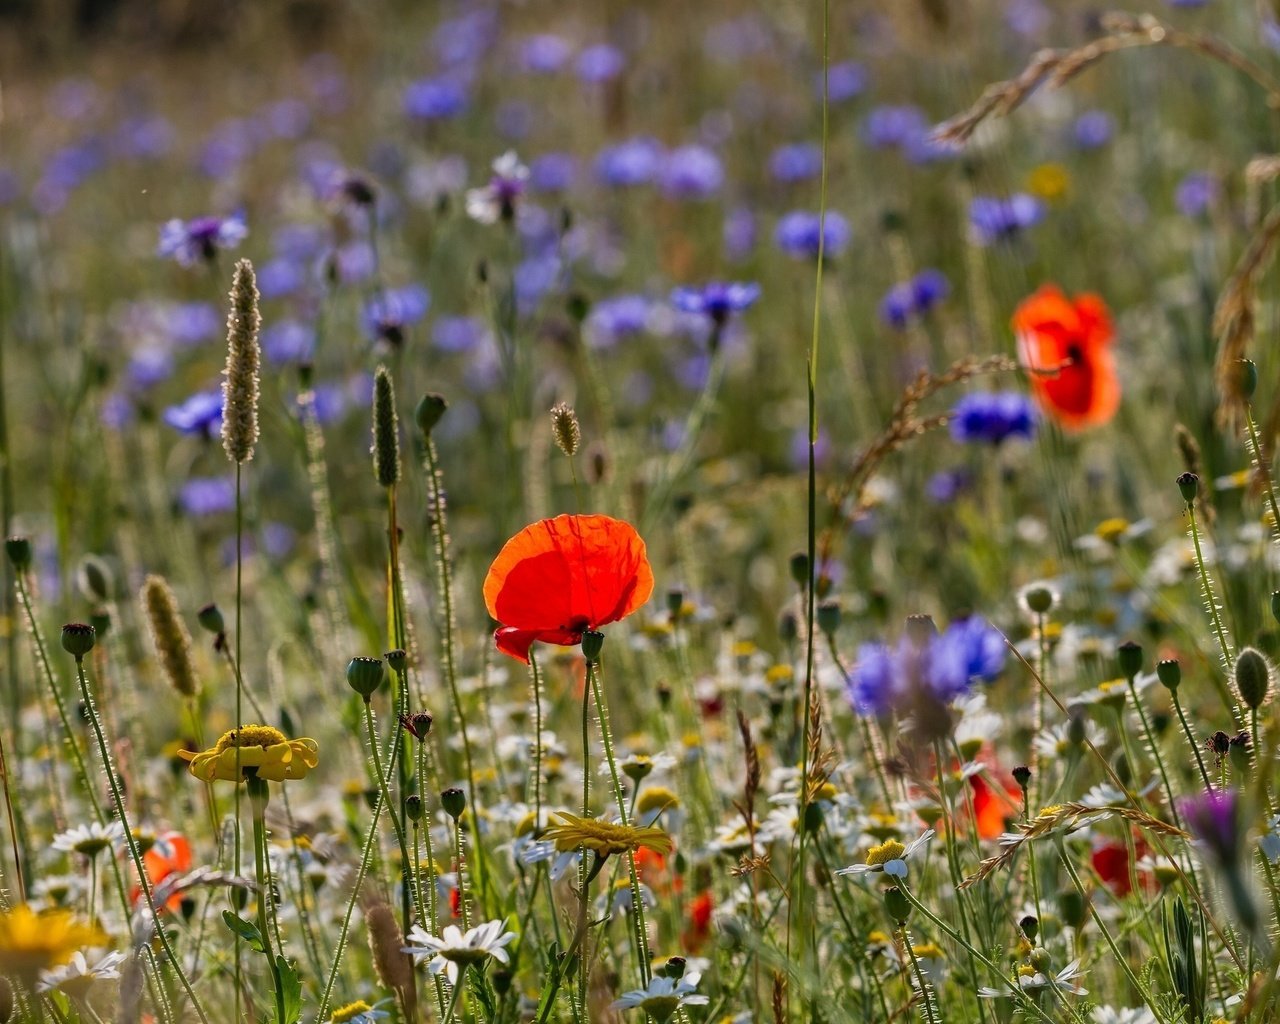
(454, 802)
(1252, 677)
(211, 620)
(431, 407)
(800, 568)
(1169, 672)
(413, 807)
(19, 551)
(364, 675)
(398, 660)
(1246, 378)
(592, 644)
(1188, 486)
(828, 617)
(1129, 658)
(898, 906)
(78, 639)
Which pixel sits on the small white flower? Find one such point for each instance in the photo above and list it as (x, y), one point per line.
(452, 951)
(489, 204)
(77, 977)
(90, 839)
(889, 857)
(663, 997)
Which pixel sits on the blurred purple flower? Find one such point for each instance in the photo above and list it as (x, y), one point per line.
(1028, 18)
(691, 172)
(739, 233)
(995, 219)
(1196, 193)
(279, 277)
(286, 119)
(544, 53)
(634, 162)
(889, 127)
(845, 81)
(514, 119)
(207, 496)
(947, 485)
(1213, 818)
(434, 99)
(387, 314)
(497, 200)
(458, 333)
(117, 412)
(228, 146)
(190, 323)
(912, 299)
(144, 138)
(200, 414)
(798, 233)
(298, 242)
(289, 341)
(616, 318)
(993, 417)
(796, 162)
(600, 63)
(717, 300)
(1093, 129)
(191, 241)
(553, 172)
(464, 40)
(149, 365)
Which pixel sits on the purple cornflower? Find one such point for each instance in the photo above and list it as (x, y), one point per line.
(1196, 193)
(553, 172)
(191, 241)
(434, 99)
(200, 414)
(149, 365)
(891, 127)
(995, 219)
(993, 417)
(497, 200)
(691, 172)
(544, 53)
(739, 233)
(1093, 129)
(279, 277)
(289, 341)
(1027, 17)
(947, 485)
(458, 333)
(798, 233)
(845, 81)
(968, 650)
(228, 146)
(912, 299)
(1213, 818)
(600, 63)
(387, 314)
(190, 323)
(613, 319)
(634, 162)
(144, 138)
(796, 162)
(717, 300)
(207, 496)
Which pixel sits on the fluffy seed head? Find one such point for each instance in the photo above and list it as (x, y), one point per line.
(169, 635)
(393, 967)
(240, 384)
(564, 426)
(386, 430)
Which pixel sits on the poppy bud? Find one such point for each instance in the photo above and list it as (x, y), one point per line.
(364, 675)
(413, 807)
(1076, 731)
(100, 620)
(1252, 677)
(94, 579)
(592, 644)
(829, 617)
(77, 639)
(1072, 908)
(800, 568)
(1169, 672)
(788, 627)
(673, 968)
(397, 659)
(675, 601)
(664, 696)
(1022, 776)
(502, 979)
(813, 817)
(1247, 378)
(1129, 658)
(454, 802)
(418, 724)
(1238, 749)
(1039, 599)
(921, 628)
(1030, 926)
(431, 407)
(897, 904)
(1188, 486)
(19, 551)
(210, 619)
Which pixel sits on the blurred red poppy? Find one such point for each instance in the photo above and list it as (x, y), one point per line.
(699, 929)
(992, 809)
(169, 855)
(1066, 344)
(558, 578)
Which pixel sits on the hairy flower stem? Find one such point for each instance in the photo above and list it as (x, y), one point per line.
(1155, 751)
(1264, 471)
(258, 797)
(409, 887)
(1191, 739)
(399, 638)
(929, 1014)
(637, 904)
(536, 686)
(236, 852)
(144, 880)
(1212, 602)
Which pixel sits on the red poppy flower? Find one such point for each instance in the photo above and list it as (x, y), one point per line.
(558, 578)
(1066, 344)
(992, 809)
(1110, 859)
(699, 911)
(169, 855)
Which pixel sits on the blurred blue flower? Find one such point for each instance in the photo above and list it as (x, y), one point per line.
(912, 299)
(798, 161)
(717, 300)
(144, 138)
(888, 127)
(996, 219)
(279, 277)
(149, 365)
(286, 119)
(739, 233)
(1093, 129)
(553, 172)
(434, 99)
(533, 279)
(967, 651)
(388, 313)
(514, 119)
(351, 263)
(616, 318)
(946, 485)
(465, 39)
(634, 162)
(191, 241)
(207, 496)
(691, 172)
(228, 146)
(457, 333)
(117, 412)
(1271, 32)
(189, 323)
(798, 234)
(199, 414)
(1027, 17)
(329, 402)
(544, 53)
(289, 341)
(298, 242)
(845, 81)
(873, 686)
(993, 417)
(600, 63)
(1196, 193)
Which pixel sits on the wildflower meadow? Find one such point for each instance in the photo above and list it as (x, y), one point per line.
(639, 511)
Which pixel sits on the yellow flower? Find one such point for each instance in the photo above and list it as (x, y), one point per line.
(656, 798)
(263, 752)
(31, 942)
(1111, 530)
(889, 850)
(1049, 181)
(350, 1012)
(605, 837)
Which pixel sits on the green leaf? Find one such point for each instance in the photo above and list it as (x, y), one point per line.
(290, 991)
(247, 930)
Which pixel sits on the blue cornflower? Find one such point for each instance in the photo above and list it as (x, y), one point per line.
(891, 127)
(149, 365)
(190, 241)
(874, 685)
(947, 485)
(845, 80)
(289, 341)
(434, 99)
(279, 277)
(388, 313)
(717, 300)
(190, 323)
(200, 414)
(968, 650)
(1196, 193)
(798, 232)
(915, 298)
(228, 146)
(144, 138)
(458, 333)
(996, 219)
(207, 496)
(600, 63)
(992, 418)
(796, 162)
(634, 162)
(544, 53)
(553, 172)
(739, 233)
(618, 317)
(1093, 129)
(691, 172)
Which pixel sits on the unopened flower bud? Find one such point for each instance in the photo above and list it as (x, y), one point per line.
(1022, 776)
(1038, 598)
(210, 619)
(413, 807)
(454, 802)
(78, 639)
(19, 551)
(1188, 486)
(1246, 378)
(1030, 926)
(1252, 677)
(897, 904)
(1129, 658)
(431, 407)
(828, 617)
(800, 568)
(364, 675)
(1169, 672)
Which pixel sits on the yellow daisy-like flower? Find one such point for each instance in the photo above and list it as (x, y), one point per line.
(889, 850)
(605, 837)
(263, 752)
(31, 942)
(1049, 181)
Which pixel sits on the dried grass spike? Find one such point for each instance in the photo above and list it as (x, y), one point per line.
(240, 384)
(169, 635)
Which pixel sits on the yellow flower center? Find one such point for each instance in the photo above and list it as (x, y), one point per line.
(656, 798)
(350, 1011)
(605, 837)
(250, 736)
(1111, 530)
(889, 850)
(928, 950)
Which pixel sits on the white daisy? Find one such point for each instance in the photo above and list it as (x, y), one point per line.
(889, 857)
(663, 997)
(452, 951)
(77, 977)
(90, 839)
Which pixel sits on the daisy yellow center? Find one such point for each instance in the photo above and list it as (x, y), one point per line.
(350, 1011)
(656, 798)
(1026, 971)
(928, 950)
(889, 850)
(250, 736)
(1111, 530)
(605, 837)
